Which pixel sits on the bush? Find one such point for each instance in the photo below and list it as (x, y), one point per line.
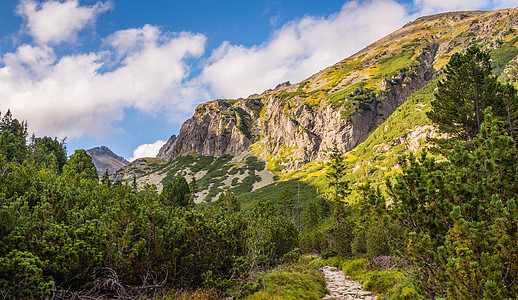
(329, 253)
(300, 281)
(21, 276)
(291, 257)
(312, 240)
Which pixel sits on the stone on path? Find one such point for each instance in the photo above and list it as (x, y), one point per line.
(341, 288)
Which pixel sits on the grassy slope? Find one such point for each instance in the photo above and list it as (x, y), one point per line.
(212, 173)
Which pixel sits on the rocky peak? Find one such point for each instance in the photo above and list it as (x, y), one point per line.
(165, 150)
(103, 158)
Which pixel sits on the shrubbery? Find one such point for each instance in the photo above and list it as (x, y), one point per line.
(65, 232)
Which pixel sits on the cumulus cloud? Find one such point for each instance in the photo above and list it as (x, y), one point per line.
(301, 48)
(55, 22)
(147, 150)
(71, 95)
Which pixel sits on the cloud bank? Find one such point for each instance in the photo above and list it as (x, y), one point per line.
(72, 95)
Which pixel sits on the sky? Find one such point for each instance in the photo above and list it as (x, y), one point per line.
(126, 73)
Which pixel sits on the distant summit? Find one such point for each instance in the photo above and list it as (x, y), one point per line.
(103, 158)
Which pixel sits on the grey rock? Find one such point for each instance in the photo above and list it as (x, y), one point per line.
(104, 159)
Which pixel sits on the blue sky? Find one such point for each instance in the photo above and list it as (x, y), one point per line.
(127, 73)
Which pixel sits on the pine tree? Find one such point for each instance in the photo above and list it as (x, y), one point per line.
(177, 193)
(336, 173)
(228, 200)
(134, 185)
(193, 189)
(106, 178)
(286, 201)
(460, 217)
(80, 166)
(467, 89)
(509, 97)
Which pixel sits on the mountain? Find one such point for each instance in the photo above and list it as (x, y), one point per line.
(372, 104)
(103, 158)
(293, 125)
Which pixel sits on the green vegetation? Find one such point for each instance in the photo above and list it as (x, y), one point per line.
(66, 232)
(467, 90)
(217, 171)
(382, 276)
(501, 56)
(442, 227)
(391, 67)
(305, 191)
(353, 98)
(292, 281)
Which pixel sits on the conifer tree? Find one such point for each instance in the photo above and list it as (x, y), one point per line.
(228, 200)
(134, 185)
(286, 201)
(106, 178)
(80, 165)
(336, 173)
(193, 187)
(177, 193)
(460, 217)
(467, 89)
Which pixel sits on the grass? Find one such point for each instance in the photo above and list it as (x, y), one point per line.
(298, 281)
(268, 193)
(393, 65)
(200, 294)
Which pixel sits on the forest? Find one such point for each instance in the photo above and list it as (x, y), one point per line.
(447, 224)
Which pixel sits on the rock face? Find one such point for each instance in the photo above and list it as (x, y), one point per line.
(294, 123)
(165, 151)
(103, 158)
(218, 127)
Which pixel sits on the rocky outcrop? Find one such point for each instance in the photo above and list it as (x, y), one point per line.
(293, 124)
(218, 127)
(104, 159)
(165, 150)
(300, 134)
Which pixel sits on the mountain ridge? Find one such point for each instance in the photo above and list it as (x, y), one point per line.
(292, 125)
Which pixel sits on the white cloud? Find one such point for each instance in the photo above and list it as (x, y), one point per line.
(71, 96)
(55, 22)
(301, 48)
(497, 4)
(435, 6)
(147, 150)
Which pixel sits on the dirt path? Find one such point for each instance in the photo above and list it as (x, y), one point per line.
(342, 288)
